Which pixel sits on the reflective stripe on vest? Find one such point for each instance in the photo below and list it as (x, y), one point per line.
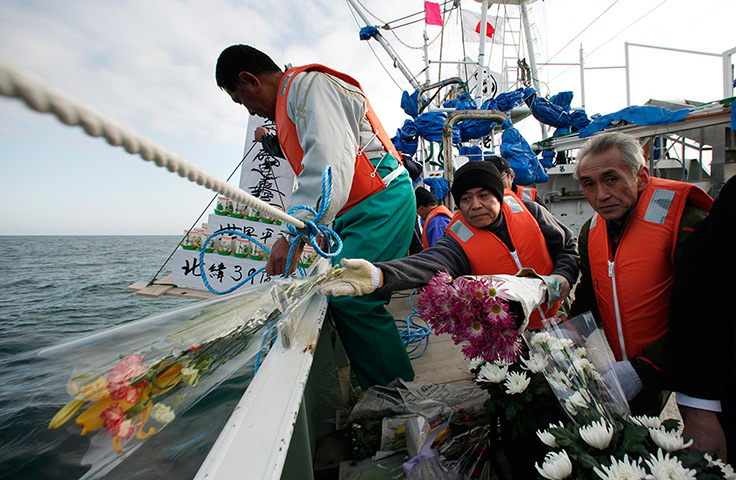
(365, 180)
(488, 255)
(438, 210)
(527, 193)
(633, 288)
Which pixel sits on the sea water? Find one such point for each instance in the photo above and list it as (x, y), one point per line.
(54, 289)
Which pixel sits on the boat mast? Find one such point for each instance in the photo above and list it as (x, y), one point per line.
(386, 46)
(530, 50)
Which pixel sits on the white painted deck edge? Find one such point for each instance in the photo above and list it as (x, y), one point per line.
(255, 440)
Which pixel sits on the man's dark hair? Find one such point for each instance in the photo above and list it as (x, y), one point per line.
(241, 58)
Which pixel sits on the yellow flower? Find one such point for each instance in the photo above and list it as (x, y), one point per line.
(96, 390)
(66, 413)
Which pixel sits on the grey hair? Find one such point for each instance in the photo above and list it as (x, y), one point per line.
(631, 152)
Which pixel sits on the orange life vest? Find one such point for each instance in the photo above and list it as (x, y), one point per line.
(633, 288)
(488, 255)
(438, 210)
(365, 181)
(526, 193)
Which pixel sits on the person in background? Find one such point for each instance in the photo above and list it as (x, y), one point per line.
(435, 218)
(493, 233)
(702, 329)
(508, 175)
(628, 251)
(323, 118)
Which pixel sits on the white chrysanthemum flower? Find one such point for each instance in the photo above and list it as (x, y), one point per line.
(559, 381)
(535, 363)
(502, 363)
(516, 383)
(645, 421)
(582, 352)
(162, 413)
(622, 470)
(556, 466)
(540, 338)
(560, 344)
(577, 401)
(664, 467)
(726, 469)
(670, 441)
(547, 438)
(492, 373)
(582, 365)
(597, 434)
(475, 363)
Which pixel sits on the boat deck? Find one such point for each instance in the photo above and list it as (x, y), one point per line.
(442, 362)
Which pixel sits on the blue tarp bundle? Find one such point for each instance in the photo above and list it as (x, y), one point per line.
(473, 152)
(368, 32)
(406, 140)
(640, 115)
(440, 186)
(410, 103)
(555, 111)
(520, 156)
(429, 126)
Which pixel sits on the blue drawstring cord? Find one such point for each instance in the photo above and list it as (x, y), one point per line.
(311, 231)
(413, 340)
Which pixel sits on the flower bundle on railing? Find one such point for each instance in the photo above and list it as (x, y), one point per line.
(129, 382)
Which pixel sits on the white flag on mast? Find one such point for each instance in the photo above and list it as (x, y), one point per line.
(471, 27)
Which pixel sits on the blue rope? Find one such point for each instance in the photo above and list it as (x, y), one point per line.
(413, 339)
(272, 330)
(201, 260)
(311, 231)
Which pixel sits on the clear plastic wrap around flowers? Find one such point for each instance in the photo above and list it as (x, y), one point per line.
(129, 382)
(574, 352)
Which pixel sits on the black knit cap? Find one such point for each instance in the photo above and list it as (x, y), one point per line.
(474, 175)
(424, 197)
(500, 162)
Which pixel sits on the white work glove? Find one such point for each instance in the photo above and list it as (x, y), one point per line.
(358, 277)
(557, 287)
(627, 377)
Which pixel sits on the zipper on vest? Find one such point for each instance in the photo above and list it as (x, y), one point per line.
(619, 327)
(515, 256)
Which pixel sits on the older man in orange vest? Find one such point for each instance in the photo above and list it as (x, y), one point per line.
(323, 118)
(628, 250)
(495, 232)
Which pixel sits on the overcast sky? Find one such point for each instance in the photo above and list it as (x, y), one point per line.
(150, 65)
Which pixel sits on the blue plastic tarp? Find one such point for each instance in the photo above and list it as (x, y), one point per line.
(639, 115)
(429, 126)
(406, 140)
(410, 103)
(368, 32)
(518, 153)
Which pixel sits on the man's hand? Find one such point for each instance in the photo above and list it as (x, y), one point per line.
(258, 134)
(358, 277)
(705, 430)
(279, 255)
(557, 287)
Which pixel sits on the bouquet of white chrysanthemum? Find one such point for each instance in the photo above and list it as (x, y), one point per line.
(573, 353)
(638, 448)
(519, 394)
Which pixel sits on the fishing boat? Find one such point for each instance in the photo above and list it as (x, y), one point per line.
(279, 428)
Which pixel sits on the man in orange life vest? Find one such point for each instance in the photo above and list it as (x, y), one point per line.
(323, 118)
(435, 218)
(628, 250)
(495, 232)
(508, 175)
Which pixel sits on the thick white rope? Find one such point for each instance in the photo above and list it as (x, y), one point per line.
(42, 97)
